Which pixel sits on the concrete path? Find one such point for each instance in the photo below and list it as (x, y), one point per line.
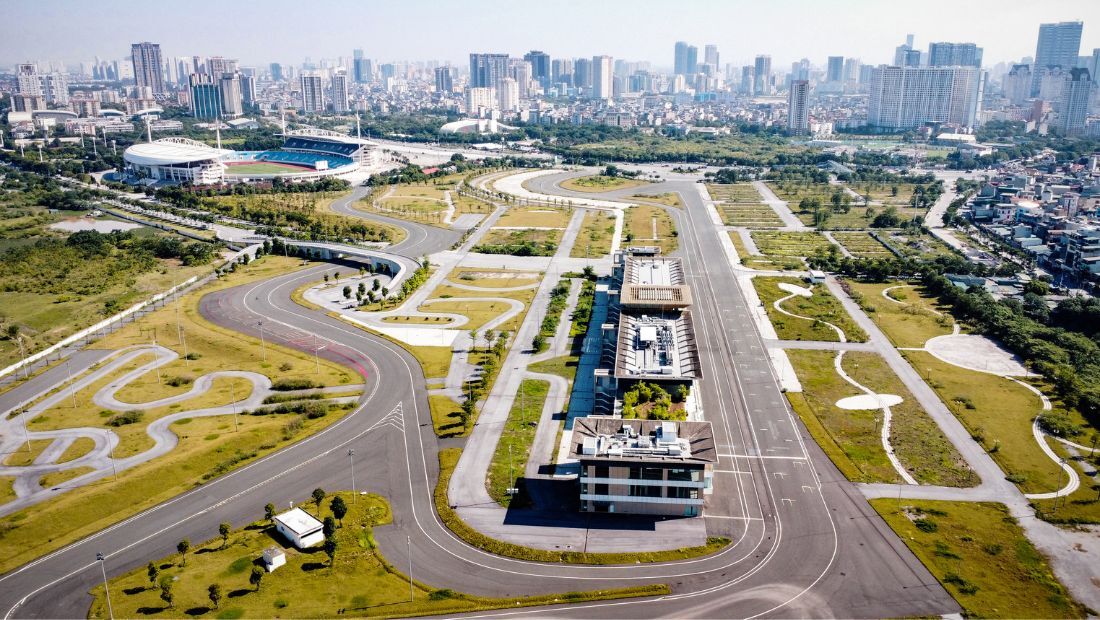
(781, 208)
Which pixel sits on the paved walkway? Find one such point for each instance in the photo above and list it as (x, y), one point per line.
(781, 208)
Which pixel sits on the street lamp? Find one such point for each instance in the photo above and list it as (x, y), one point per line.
(103, 567)
(354, 494)
(263, 343)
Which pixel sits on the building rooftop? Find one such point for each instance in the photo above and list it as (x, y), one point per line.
(660, 346)
(647, 441)
(655, 296)
(653, 270)
(299, 521)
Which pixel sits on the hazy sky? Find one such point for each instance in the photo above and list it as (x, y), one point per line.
(290, 30)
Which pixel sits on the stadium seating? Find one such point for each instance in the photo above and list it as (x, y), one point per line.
(320, 146)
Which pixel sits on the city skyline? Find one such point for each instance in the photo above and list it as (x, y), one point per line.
(57, 32)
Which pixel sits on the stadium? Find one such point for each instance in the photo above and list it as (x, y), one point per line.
(306, 155)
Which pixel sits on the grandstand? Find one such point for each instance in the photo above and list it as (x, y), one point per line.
(307, 154)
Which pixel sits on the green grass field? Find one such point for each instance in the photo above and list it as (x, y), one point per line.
(980, 554)
(264, 168)
(641, 221)
(822, 307)
(851, 438)
(596, 235)
(908, 324)
(358, 582)
(600, 183)
(790, 244)
(862, 245)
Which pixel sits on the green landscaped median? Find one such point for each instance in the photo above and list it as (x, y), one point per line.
(448, 458)
(820, 308)
(600, 183)
(514, 448)
(357, 581)
(981, 556)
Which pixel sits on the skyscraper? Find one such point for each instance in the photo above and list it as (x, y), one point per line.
(340, 92)
(1075, 102)
(487, 69)
(582, 73)
(362, 68)
(444, 80)
(908, 97)
(232, 100)
(954, 55)
(710, 55)
(762, 74)
(692, 63)
(601, 77)
(835, 71)
(540, 67)
(313, 94)
(248, 90)
(1017, 84)
(1058, 46)
(901, 52)
(561, 70)
(679, 59)
(798, 108)
(276, 72)
(520, 71)
(508, 95)
(148, 71)
(206, 98)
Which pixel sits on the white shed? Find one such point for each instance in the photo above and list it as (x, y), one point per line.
(274, 557)
(300, 528)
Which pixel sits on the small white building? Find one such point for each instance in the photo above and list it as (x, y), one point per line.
(274, 557)
(300, 528)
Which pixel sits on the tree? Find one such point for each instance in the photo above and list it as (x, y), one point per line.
(153, 572)
(269, 511)
(214, 592)
(473, 340)
(339, 508)
(329, 527)
(183, 547)
(318, 496)
(256, 577)
(347, 292)
(538, 343)
(166, 594)
(362, 288)
(330, 550)
(223, 531)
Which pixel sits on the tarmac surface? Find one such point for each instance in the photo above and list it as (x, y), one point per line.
(806, 543)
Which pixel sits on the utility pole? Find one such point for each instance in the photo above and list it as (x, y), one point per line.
(409, 538)
(233, 395)
(263, 344)
(103, 567)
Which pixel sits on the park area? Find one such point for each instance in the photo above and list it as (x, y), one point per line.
(596, 235)
(862, 244)
(426, 202)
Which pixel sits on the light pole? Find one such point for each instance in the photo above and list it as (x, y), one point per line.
(409, 538)
(263, 343)
(103, 567)
(72, 388)
(354, 494)
(23, 354)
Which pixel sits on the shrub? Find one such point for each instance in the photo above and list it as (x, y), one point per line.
(293, 383)
(127, 417)
(178, 381)
(925, 525)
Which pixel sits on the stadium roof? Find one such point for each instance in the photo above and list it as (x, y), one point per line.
(170, 151)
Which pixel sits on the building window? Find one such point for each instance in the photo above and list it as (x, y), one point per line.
(601, 489)
(645, 490)
(683, 493)
(602, 471)
(652, 473)
(682, 475)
